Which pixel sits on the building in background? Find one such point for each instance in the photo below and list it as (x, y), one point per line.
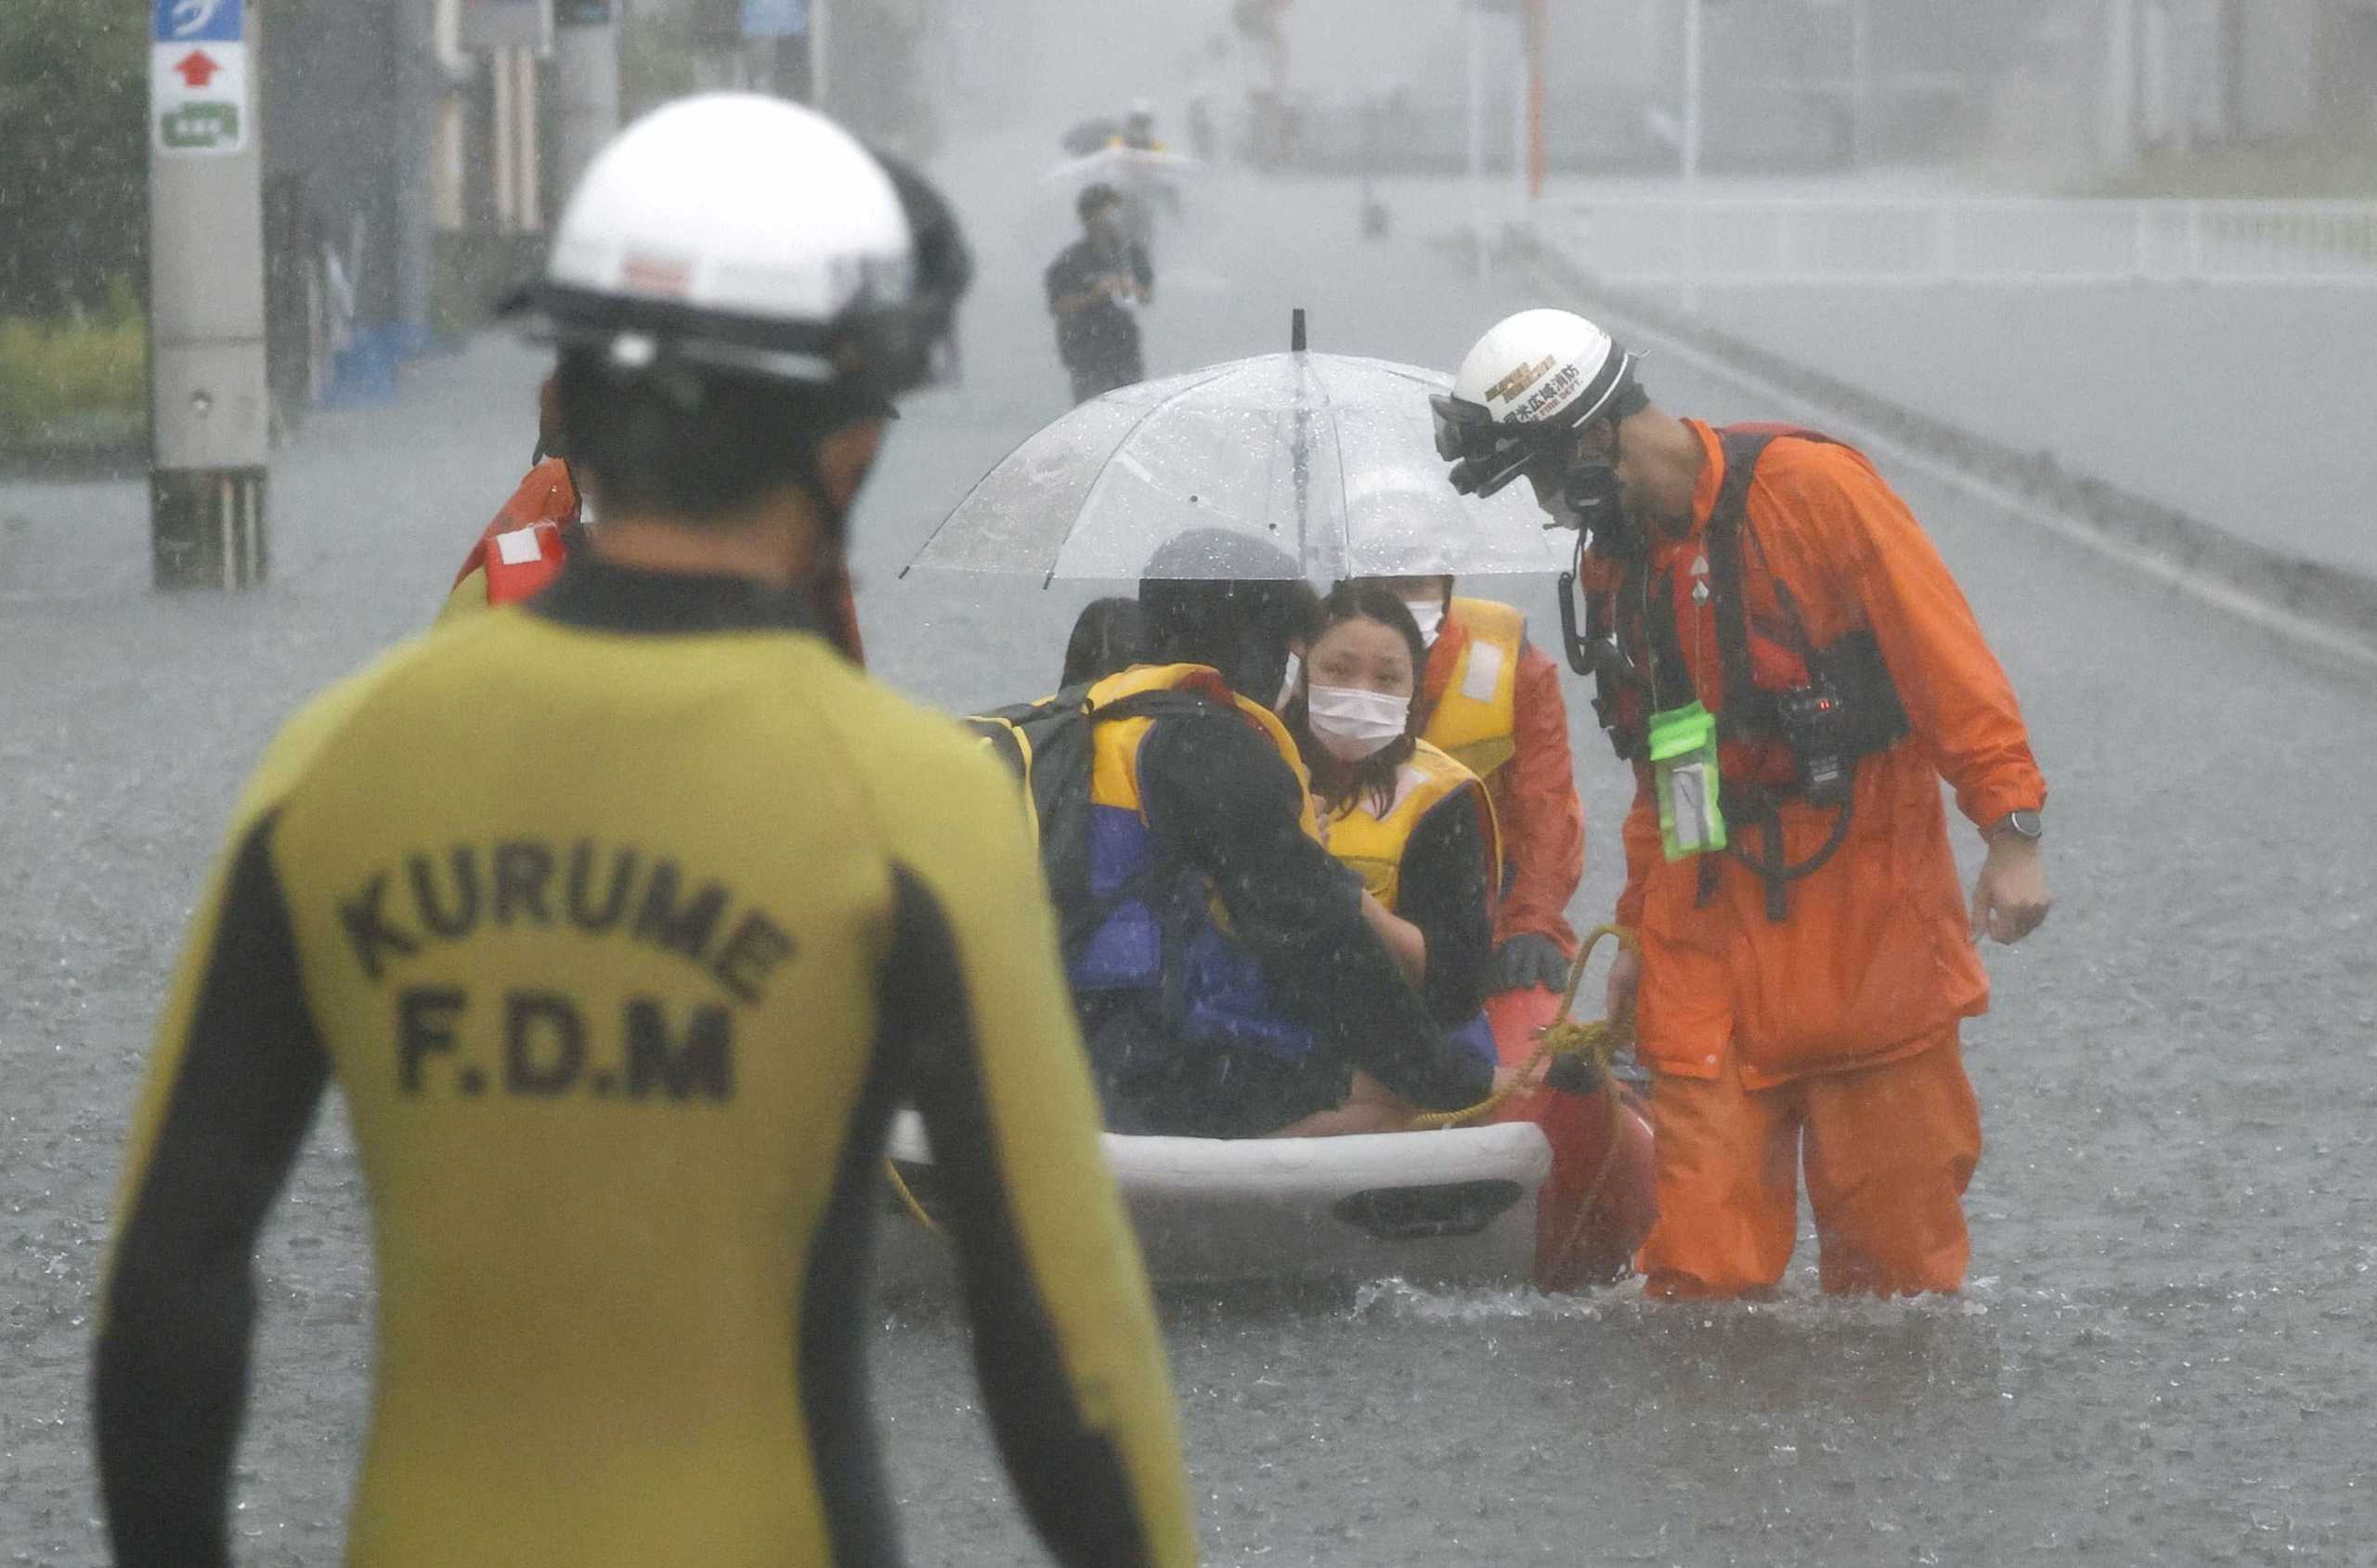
(2043, 91)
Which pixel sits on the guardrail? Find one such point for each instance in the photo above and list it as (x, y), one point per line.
(1676, 241)
(2317, 603)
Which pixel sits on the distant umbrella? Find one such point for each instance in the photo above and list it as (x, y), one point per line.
(1089, 135)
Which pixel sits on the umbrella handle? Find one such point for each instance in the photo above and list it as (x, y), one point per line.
(1295, 330)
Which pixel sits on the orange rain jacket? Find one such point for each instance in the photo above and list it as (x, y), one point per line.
(1875, 955)
(548, 504)
(1534, 794)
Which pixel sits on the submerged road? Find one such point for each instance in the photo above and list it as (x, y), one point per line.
(2165, 1355)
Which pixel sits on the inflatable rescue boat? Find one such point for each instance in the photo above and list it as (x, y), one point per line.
(1485, 1205)
(1456, 1205)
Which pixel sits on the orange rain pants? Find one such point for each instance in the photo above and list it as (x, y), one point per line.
(1889, 1150)
(1836, 1024)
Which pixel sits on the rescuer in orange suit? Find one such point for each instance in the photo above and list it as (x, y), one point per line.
(523, 548)
(1788, 665)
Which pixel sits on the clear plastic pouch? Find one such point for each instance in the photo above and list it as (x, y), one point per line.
(1683, 773)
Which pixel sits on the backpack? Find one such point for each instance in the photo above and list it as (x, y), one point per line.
(1049, 746)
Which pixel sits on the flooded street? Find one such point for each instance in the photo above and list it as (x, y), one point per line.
(2168, 1354)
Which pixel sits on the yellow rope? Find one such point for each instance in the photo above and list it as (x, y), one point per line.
(1566, 1036)
(900, 1186)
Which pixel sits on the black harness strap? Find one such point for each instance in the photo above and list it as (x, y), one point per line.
(1850, 670)
(1672, 684)
(1745, 711)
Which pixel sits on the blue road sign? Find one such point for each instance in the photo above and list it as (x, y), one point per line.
(199, 22)
(776, 18)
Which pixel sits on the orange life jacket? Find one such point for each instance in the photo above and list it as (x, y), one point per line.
(1475, 714)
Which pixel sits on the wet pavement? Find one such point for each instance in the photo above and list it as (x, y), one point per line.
(2166, 1355)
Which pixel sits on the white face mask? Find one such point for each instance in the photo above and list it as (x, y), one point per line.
(1354, 723)
(1430, 613)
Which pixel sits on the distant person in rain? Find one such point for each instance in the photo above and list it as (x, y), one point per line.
(1094, 286)
(1138, 128)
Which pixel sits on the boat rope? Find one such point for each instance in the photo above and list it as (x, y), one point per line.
(908, 1199)
(1596, 1040)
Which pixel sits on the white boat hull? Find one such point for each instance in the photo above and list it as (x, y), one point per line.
(1455, 1206)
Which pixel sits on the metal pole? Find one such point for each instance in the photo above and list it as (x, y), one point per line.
(586, 89)
(524, 110)
(821, 36)
(1475, 18)
(415, 24)
(1692, 85)
(1521, 120)
(1534, 99)
(1691, 95)
(499, 65)
(1861, 81)
(209, 406)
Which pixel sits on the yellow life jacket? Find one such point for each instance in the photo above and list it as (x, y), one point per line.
(1160, 928)
(1476, 719)
(1114, 773)
(1374, 845)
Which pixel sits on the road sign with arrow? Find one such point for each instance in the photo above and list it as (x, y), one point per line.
(198, 78)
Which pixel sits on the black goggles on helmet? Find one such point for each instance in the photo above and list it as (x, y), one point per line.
(1487, 455)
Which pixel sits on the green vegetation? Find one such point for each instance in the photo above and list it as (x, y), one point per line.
(2287, 171)
(75, 387)
(74, 229)
(73, 187)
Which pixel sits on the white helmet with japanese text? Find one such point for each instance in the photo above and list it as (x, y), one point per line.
(1522, 392)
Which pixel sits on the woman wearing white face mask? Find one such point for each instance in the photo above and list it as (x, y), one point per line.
(1411, 820)
(1419, 828)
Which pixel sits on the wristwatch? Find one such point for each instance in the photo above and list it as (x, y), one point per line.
(2019, 824)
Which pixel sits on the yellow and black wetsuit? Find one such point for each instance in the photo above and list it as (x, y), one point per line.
(619, 1059)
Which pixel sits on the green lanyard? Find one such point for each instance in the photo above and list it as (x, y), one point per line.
(1682, 745)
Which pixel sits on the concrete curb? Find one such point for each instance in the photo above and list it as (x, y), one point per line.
(2315, 602)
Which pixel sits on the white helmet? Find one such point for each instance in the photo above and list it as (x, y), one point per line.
(1531, 382)
(736, 232)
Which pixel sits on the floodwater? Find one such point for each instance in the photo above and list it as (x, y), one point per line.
(2166, 1352)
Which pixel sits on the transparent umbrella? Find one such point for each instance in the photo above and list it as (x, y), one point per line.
(1121, 165)
(1328, 458)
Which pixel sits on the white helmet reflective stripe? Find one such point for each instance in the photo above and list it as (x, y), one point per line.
(738, 232)
(1543, 366)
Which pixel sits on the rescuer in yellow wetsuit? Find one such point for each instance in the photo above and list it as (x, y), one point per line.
(620, 1058)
